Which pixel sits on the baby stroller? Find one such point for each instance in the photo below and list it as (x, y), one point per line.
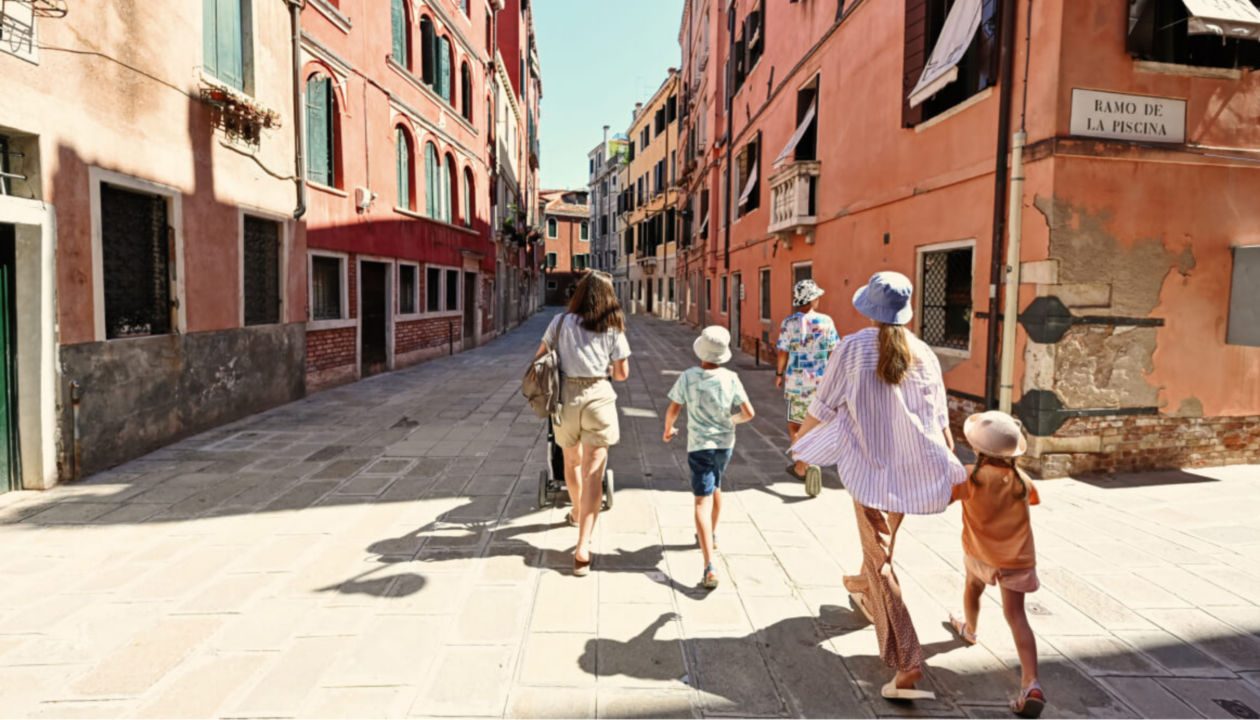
(551, 488)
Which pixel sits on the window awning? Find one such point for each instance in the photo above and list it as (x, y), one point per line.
(800, 133)
(1227, 18)
(748, 186)
(942, 65)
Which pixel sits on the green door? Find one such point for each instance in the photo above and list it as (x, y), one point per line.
(9, 476)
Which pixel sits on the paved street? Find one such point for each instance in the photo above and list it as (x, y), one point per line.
(376, 551)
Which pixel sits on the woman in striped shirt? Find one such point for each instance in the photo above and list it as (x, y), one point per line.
(882, 419)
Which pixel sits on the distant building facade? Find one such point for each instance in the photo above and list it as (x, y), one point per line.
(605, 162)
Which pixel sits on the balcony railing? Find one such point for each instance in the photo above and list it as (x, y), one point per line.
(793, 199)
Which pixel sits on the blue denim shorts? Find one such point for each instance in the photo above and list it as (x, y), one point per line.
(707, 468)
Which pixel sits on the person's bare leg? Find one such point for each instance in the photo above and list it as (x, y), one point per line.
(704, 526)
(572, 483)
(717, 510)
(1021, 631)
(971, 601)
(794, 428)
(592, 495)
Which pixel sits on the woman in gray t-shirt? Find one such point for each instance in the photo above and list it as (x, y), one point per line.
(590, 340)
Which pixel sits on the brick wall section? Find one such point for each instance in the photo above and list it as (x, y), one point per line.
(427, 333)
(328, 349)
(1154, 442)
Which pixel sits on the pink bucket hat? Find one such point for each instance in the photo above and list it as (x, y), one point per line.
(996, 434)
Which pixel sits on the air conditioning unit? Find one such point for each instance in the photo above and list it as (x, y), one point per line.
(363, 198)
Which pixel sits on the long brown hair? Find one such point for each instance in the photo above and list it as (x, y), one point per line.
(894, 354)
(1005, 464)
(596, 303)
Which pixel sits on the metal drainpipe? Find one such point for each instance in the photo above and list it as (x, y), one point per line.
(299, 119)
(1007, 62)
(1010, 307)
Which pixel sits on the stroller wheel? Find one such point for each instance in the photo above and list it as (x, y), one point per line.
(542, 489)
(609, 489)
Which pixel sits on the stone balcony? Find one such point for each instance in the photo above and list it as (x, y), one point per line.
(793, 200)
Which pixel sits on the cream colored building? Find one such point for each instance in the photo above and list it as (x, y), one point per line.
(650, 222)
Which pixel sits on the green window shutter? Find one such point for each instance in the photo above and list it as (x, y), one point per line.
(430, 181)
(210, 37)
(318, 160)
(400, 33)
(230, 60)
(446, 191)
(404, 169)
(444, 68)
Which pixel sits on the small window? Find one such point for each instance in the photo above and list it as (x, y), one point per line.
(671, 289)
(136, 259)
(432, 182)
(452, 289)
(581, 261)
(551, 260)
(585, 230)
(552, 228)
(725, 295)
(765, 294)
(428, 52)
(807, 122)
(225, 40)
(401, 33)
(671, 109)
(929, 91)
(708, 294)
(261, 264)
(756, 37)
(433, 289)
(803, 271)
(748, 181)
(465, 92)
(470, 203)
(1244, 298)
(321, 131)
(408, 290)
(946, 298)
(658, 121)
(1165, 31)
(551, 285)
(326, 284)
(403, 162)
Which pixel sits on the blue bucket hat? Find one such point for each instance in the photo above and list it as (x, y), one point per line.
(886, 298)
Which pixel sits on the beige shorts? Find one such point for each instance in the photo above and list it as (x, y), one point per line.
(589, 413)
(1022, 580)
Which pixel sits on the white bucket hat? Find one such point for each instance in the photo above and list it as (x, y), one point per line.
(996, 434)
(713, 345)
(805, 292)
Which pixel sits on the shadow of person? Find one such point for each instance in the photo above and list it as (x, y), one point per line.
(781, 669)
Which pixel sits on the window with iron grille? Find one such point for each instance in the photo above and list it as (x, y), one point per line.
(326, 287)
(136, 260)
(262, 271)
(945, 318)
(452, 289)
(433, 289)
(407, 290)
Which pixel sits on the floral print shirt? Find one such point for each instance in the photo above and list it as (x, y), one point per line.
(808, 338)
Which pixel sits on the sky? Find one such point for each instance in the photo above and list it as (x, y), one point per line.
(598, 57)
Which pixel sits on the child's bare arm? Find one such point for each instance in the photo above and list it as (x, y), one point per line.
(671, 416)
(746, 413)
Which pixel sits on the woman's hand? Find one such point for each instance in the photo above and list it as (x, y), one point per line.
(670, 433)
(778, 381)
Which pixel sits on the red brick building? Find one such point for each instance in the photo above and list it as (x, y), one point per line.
(834, 140)
(566, 230)
(399, 101)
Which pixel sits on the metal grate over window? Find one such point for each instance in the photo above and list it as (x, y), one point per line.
(946, 284)
(406, 289)
(135, 254)
(262, 271)
(325, 288)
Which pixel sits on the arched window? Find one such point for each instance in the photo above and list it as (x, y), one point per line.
(404, 162)
(465, 91)
(449, 182)
(321, 130)
(428, 52)
(444, 68)
(470, 205)
(432, 182)
(402, 33)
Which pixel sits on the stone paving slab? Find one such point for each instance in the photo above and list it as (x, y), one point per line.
(375, 550)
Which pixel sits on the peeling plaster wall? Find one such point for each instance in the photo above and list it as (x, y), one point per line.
(1100, 366)
(143, 393)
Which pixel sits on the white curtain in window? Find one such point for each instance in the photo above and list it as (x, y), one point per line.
(1227, 18)
(800, 132)
(942, 65)
(748, 186)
